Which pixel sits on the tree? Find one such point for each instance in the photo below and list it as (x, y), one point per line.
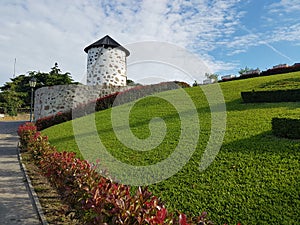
(129, 82)
(132, 83)
(16, 93)
(212, 76)
(245, 70)
(55, 69)
(11, 101)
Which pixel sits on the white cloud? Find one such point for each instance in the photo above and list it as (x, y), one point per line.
(274, 30)
(283, 14)
(290, 33)
(39, 33)
(218, 65)
(243, 42)
(240, 44)
(285, 6)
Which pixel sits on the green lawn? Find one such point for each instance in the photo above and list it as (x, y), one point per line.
(255, 178)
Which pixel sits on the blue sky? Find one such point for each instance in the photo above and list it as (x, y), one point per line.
(226, 35)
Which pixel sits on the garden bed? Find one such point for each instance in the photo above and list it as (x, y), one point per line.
(55, 210)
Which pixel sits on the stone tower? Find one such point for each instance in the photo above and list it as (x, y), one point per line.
(106, 63)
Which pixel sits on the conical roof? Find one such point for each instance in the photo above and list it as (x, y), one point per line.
(107, 41)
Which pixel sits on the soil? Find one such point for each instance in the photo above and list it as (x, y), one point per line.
(55, 210)
(19, 117)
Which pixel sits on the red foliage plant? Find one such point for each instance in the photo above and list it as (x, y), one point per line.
(94, 198)
(26, 132)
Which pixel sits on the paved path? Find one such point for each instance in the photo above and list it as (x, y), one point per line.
(16, 206)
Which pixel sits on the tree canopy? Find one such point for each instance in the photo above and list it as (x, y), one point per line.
(16, 92)
(213, 76)
(246, 69)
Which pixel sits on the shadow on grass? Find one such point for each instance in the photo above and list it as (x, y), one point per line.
(239, 105)
(168, 118)
(264, 142)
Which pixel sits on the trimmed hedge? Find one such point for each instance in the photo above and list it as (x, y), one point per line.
(271, 96)
(241, 77)
(286, 127)
(269, 72)
(274, 71)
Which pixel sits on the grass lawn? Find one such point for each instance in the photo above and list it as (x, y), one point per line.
(255, 178)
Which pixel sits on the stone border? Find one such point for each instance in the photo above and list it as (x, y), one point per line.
(32, 194)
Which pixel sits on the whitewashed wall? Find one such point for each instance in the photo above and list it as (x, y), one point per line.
(106, 66)
(61, 98)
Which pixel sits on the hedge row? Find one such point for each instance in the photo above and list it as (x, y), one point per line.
(271, 96)
(96, 199)
(241, 77)
(286, 127)
(108, 101)
(274, 71)
(269, 72)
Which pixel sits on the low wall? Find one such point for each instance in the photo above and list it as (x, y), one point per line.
(61, 98)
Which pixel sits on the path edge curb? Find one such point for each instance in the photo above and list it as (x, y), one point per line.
(32, 194)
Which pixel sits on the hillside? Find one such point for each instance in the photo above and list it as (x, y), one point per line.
(255, 177)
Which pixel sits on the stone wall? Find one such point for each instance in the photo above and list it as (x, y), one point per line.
(61, 98)
(106, 66)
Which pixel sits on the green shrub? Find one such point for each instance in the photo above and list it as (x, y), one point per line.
(271, 96)
(286, 127)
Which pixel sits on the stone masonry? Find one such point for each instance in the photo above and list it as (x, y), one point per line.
(106, 74)
(106, 66)
(61, 98)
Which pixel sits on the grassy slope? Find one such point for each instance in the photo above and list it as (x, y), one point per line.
(255, 177)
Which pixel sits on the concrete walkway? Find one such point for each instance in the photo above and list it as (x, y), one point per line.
(16, 204)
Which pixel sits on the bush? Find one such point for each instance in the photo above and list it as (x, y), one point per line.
(95, 199)
(286, 127)
(182, 84)
(271, 96)
(26, 132)
(49, 121)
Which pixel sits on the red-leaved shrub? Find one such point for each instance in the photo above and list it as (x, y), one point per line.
(26, 132)
(94, 198)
